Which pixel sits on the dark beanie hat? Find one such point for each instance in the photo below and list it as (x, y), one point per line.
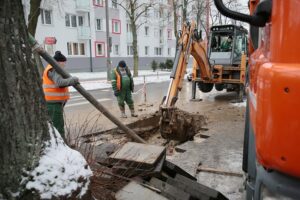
(122, 63)
(59, 57)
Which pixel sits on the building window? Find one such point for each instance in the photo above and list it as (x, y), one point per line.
(82, 49)
(169, 34)
(75, 48)
(99, 24)
(98, 3)
(116, 26)
(71, 20)
(67, 19)
(100, 52)
(74, 20)
(146, 50)
(128, 28)
(169, 51)
(80, 20)
(146, 30)
(129, 50)
(69, 46)
(157, 51)
(46, 16)
(114, 4)
(116, 49)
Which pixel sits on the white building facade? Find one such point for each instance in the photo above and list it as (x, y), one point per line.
(77, 28)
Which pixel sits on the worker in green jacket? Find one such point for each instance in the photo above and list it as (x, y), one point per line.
(226, 45)
(122, 84)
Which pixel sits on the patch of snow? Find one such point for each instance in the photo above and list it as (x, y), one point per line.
(103, 84)
(59, 170)
(242, 104)
(103, 75)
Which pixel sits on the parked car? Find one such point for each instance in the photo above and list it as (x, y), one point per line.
(190, 77)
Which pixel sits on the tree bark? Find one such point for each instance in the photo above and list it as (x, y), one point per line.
(33, 16)
(135, 50)
(175, 20)
(32, 24)
(23, 115)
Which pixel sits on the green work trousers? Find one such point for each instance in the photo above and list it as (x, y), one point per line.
(55, 111)
(125, 96)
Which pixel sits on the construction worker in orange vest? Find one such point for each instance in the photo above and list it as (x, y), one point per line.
(56, 92)
(122, 84)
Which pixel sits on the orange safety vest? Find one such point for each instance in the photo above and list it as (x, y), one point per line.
(118, 80)
(51, 90)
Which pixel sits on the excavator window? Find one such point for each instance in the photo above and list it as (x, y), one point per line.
(221, 42)
(240, 45)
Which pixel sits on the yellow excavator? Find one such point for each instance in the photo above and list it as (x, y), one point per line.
(222, 64)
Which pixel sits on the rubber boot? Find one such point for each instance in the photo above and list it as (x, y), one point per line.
(133, 113)
(122, 109)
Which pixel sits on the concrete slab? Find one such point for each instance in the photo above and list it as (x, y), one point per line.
(136, 191)
(139, 153)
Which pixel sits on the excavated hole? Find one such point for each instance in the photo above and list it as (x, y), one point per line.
(148, 129)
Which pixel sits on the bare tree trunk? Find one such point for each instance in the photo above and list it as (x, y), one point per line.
(23, 119)
(32, 24)
(175, 20)
(33, 16)
(134, 37)
(135, 50)
(184, 10)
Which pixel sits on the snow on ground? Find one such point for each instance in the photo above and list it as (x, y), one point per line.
(103, 75)
(103, 84)
(242, 104)
(59, 170)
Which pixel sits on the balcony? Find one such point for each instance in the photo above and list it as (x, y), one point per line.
(129, 37)
(84, 32)
(83, 5)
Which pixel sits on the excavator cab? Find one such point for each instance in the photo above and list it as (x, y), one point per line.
(227, 55)
(227, 44)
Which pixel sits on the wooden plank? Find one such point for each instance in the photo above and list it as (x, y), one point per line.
(200, 188)
(168, 190)
(135, 191)
(219, 171)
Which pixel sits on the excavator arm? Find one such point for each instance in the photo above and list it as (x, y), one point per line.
(172, 126)
(187, 45)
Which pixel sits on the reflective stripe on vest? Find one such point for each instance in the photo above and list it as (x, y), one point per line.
(51, 91)
(118, 80)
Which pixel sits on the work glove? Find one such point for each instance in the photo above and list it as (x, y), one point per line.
(74, 80)
(116, 93)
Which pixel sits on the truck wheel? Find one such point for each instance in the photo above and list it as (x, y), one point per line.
(205, 87)
(219, 87)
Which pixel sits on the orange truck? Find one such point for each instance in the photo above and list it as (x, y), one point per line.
(272, 132)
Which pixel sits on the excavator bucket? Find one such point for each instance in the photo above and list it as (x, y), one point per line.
(179, 125)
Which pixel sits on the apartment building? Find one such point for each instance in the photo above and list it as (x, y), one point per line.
(78, 29)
